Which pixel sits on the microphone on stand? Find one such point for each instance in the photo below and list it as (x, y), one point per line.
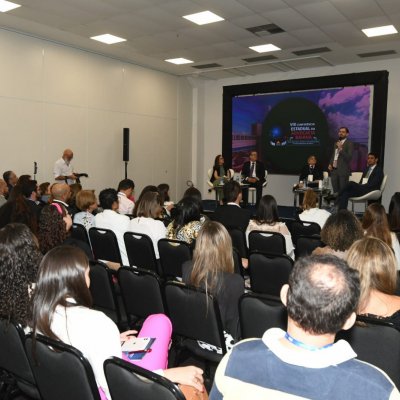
(35, 169)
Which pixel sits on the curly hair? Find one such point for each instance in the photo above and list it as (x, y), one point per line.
(52, 229)
(20, 258)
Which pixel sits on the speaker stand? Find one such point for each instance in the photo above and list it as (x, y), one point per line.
(126, 169)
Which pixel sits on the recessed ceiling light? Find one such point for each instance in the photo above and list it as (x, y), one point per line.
(263, 48)
(204, 17)
(7, 5)
(109, 39)
(380, 31)
(179, 61)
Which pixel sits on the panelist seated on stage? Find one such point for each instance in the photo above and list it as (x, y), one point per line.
(253, 174)
(371, 180)
(311, 168)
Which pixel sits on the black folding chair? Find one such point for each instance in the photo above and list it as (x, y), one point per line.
(267, 242)
(105, 245)
(103, 292)
(61, 371)
(79, 232)
(259, 312)
(305, 245)
(127, 381)
(14, 363)
(141, 293)
(195, 316)
(376, 342)
(303, 228)
(269, 272)
(140, 251)
(239, 241)
(173, 253)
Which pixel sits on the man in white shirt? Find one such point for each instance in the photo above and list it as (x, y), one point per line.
(110, 219)
(63, 168)
(125, 190)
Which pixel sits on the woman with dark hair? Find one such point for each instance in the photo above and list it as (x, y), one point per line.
(267, 219)
(44, 193)
(61, 310)
(376, 264)
(394, 212)
(375, 223)
(20, 257)
(186, 223)
(220, 175)
(168, 205)
(340, 231)
(148, 211)
(54, 230)
(212, 269)
(148, 188)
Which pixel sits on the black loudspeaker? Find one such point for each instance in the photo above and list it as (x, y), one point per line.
(125, 147)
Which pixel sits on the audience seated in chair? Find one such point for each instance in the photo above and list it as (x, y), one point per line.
(340, 231)
(305, 362)
(110, 219)
(231, 215)
(61, 310)
(11, 180)
(20, 258)
(212, 269)
(86, 202)
(394, 212)
(375, 224)
(311, 213)
(148, 188)
(149, 209)
(267, 219)
(75, 189)
(376, 264)
(125, 191)
(168, 205)
(3, 192)
(61, 193)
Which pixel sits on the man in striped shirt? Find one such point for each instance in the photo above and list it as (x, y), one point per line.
(304, 362)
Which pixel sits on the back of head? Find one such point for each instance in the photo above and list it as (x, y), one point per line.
(20, 257)
(28, 188)
(107, 198)
(231, 190)
(75, 188)
(323, 293)
(394, 212)
(61, 277)
(85, 199)
(194, 193)
(149, 206)
(6, 176)
(126, 184)
(23, 179)
(163, 189)
(267, 211)
(146, 189)
(309, 200)
(375, 262)
(341, 230)
(212, 256)
(60, 191)
(187, 210)
(376, 224)
(52, 228)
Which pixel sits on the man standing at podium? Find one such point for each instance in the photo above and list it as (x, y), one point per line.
(63, 168)
(253, 173)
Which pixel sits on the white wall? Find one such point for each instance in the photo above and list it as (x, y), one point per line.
(54, 96)
(208, 108)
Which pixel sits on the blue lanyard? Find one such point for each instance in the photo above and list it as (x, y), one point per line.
(304, 345)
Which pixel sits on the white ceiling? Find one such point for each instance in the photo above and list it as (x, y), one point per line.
(155, 31)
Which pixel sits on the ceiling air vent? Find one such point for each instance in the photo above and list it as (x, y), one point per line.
(377, 53)
(204, 66)
(265, 29)
(308, 52)
(261, 58)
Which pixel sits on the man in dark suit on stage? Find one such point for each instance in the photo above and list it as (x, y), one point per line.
(311, 168)
(253, 174)
(371, 180)
(231, 215)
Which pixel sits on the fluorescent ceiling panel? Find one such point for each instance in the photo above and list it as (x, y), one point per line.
(108, 39)
(179, 61)
(7, 6)
(204, 17)
(264, 48)
(380, 31)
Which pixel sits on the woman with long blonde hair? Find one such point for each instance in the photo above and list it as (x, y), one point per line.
(376, 264)
(212, 269)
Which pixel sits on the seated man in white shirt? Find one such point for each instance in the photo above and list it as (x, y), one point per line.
(110, 219)
(63, 168)
(305, 362)
(125, 190)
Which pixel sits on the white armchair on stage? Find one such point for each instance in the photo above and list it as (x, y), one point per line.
(209, 175)
(374, 195)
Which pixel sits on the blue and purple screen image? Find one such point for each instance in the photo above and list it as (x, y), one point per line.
(285, 128)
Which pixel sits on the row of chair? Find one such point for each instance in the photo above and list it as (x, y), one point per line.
(46, 369)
